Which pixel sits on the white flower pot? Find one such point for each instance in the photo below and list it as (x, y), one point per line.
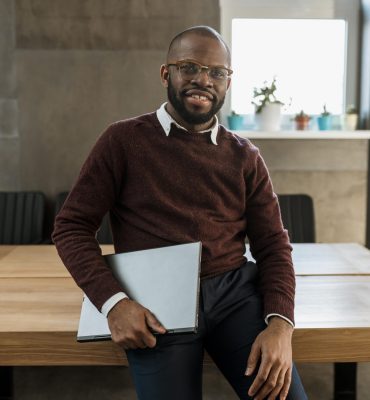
(269, 118)
(349, 122)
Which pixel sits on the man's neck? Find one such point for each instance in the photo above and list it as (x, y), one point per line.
(186, 125)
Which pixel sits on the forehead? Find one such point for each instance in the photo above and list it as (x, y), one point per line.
(206, 50)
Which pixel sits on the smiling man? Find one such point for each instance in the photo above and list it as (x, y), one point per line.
(178, 176)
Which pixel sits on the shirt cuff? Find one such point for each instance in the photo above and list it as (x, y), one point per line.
(111, 302)
(280, 316)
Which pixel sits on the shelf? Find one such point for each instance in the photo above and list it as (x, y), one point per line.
(304, 134)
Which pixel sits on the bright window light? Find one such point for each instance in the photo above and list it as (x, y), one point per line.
(307, 57)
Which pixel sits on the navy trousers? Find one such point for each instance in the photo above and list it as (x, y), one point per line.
(230, 318)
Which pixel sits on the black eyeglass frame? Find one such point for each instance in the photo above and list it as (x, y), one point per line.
(207, 68)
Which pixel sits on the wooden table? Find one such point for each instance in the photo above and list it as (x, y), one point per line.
(309, 259)
(329, 259)
(35, 261)
(40, 306)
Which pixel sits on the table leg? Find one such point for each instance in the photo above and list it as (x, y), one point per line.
(345, 381)
(6, 383)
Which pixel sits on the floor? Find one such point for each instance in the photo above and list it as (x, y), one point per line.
(113, 383)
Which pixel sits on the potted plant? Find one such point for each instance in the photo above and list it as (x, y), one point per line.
(350, 118)
(268, 107)
(235, 121)
(301, 121)
(324, 120)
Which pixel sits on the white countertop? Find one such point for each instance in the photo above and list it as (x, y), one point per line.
(304, 134)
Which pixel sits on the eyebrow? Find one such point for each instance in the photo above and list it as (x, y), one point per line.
(198, 62)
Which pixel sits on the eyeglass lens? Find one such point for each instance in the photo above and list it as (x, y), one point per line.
(189, 70)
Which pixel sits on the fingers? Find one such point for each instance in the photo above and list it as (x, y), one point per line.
(136, 336)
(263, 379)
(130, 325)
(253, 359)
(153, 323)
(278, 386)
(128, 344)
(271, 381)
(286, 385)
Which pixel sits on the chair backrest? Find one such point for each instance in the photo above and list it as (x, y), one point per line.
(298, 218)
(21, 217)
(104, 234)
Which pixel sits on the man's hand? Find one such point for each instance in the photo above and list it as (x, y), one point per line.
(273, 348)
(130, 324)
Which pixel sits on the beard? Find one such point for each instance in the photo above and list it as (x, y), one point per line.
(193, 118)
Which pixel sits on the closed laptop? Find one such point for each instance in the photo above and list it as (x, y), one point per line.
(165, 280)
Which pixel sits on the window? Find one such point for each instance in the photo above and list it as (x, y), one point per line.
(307, 57)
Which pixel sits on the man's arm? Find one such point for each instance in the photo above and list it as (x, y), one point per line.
(93, 194)
(269, 243)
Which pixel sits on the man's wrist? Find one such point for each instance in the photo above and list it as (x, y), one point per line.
(280, 323)
(270, 316)
(111, 302)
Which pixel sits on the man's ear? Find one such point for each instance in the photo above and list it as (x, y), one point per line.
(164, 75)
(228, 83)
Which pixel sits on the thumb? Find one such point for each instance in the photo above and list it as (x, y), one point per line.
(253, 359)
(153, 323)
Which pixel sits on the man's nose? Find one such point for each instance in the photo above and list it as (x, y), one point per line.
(203, 78)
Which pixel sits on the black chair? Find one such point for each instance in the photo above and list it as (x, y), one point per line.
(297, 214)
(104, 234)
(21, 222)
(21, 217)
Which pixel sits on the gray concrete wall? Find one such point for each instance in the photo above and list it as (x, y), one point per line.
(83, 65)
(333, 173)
(69, 68)
(9, 134)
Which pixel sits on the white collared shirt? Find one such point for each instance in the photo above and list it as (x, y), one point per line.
(166, 121)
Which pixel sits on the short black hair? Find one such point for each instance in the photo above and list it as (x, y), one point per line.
(201, 30)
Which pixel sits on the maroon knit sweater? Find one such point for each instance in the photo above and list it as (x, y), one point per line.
(165, 190)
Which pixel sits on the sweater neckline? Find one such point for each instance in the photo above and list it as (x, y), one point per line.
(187, 135)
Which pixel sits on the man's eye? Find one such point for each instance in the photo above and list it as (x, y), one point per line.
(189, 68)
(218, 73)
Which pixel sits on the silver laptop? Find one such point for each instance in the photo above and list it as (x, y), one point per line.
(164, 280)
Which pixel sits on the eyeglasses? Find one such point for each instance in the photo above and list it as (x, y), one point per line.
(190, 70)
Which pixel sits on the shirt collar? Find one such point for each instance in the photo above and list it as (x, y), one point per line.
(166, 121)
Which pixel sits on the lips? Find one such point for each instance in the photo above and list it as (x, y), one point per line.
(198, 97)
(199, 94)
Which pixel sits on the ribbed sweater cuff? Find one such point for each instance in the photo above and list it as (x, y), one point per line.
(278, 304)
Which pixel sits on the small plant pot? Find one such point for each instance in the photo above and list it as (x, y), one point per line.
(324, 122)
(235, 122)
(301, 124)
(349, 122)
(269, 118)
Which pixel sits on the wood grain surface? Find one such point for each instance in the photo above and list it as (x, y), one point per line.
(329, 259)
(34, 261)
(40, 306)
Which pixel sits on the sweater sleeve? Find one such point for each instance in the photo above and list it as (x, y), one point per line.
(75, 228)
(269, 241)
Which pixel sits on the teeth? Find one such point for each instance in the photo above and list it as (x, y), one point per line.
(198, 97)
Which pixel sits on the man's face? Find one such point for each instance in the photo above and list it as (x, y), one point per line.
(196, 101)
(195, 111)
